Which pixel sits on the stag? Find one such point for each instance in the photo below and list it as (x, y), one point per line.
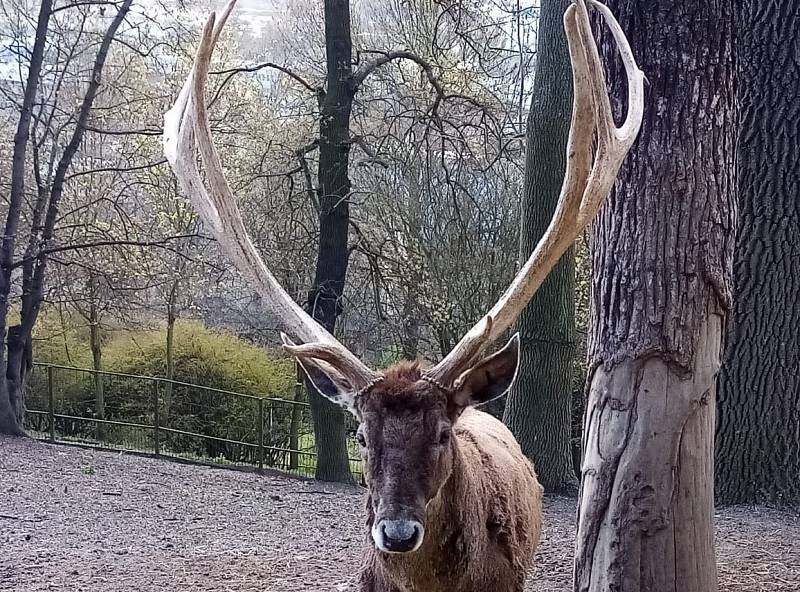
(452, 502)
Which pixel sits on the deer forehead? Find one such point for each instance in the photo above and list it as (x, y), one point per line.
(403, 391)
(415, 404)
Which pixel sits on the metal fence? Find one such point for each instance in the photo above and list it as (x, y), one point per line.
(174, 419)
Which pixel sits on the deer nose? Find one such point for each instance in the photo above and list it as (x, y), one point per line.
(398, 536)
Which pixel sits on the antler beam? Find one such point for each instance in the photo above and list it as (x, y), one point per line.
(587, 181)
(187, 129)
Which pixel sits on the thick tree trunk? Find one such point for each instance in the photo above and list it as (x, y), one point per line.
(9, 424)
(758, 436)
(9, 391)
(538, 409)
(647, 499)
(334, 221)
(18, 365)
(662, 289)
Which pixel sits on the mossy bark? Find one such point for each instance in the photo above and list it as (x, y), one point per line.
(538, 410)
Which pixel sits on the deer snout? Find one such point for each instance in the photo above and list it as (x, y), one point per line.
(398, 536)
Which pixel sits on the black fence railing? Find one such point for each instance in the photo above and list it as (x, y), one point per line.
(173, 419)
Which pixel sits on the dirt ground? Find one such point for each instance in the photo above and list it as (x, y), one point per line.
(82, 520)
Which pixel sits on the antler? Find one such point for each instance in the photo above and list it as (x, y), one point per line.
(186, 127)
(585, 187)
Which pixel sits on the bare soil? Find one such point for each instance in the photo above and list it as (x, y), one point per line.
(84, 520)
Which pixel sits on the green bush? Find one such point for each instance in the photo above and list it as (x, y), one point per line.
(61, 339)
(202, 356)
(211, 359)
(58, 339)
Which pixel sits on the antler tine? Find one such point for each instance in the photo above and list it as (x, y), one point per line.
(186, 129)
(587, 181)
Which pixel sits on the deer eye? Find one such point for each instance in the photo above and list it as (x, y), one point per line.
(444, 437)
(362, 441)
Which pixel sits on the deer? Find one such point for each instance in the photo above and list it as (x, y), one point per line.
(452, 502)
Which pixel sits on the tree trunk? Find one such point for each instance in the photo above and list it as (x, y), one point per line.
(95, 344)
(758, 437)
(334, 220)
(172, 317)
(663, 264)
(10, 393)
(538, 410)
(18, 365)
(296, 421)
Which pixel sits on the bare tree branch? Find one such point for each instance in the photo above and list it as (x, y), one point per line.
(139, 132)
(301, 156)
(140, 167)
(85, 3)
(231, 72)
(160, 243)
(364, 71)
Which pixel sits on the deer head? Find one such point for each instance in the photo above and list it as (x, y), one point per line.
(406, 413)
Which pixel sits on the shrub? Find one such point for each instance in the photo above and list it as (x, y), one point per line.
(204, 357)
(61, 339)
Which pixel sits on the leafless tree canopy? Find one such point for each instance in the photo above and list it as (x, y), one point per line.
(436, 152)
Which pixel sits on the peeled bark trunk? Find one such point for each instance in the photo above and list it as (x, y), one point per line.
(758, 437)
(538, 410)
(647, 496)
(334, 221)
(662, 259)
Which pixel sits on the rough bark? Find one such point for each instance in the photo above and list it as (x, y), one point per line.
(662, 289)
(334, 219)
(538, 410)
(758, 435)
(10, 390)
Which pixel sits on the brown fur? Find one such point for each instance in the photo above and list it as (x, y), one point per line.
(478, 495)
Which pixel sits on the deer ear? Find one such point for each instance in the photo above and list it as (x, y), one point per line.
(326, 379)
(329, 383)
(490, 378)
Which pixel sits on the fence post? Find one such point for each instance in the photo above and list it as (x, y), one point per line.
(261, 434)
(156, 435)
(51, 404)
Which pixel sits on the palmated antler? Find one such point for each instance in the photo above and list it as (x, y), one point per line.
(587, 182)
(186, 129)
